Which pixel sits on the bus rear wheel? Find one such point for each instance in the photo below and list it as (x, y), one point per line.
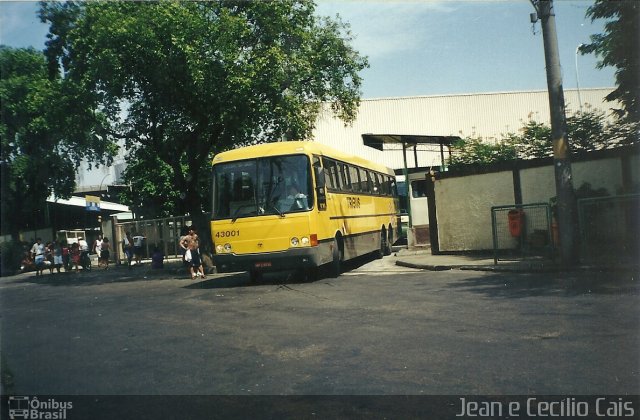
(385, 246)
(389, 248)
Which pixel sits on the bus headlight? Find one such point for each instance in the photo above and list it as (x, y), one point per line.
(227, 247)
(304, 241)
(294, 241)
(219, 249)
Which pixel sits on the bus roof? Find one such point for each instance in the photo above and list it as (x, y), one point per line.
(293, 147)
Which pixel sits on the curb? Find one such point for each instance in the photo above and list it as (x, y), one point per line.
(517, 269)
(424, 266)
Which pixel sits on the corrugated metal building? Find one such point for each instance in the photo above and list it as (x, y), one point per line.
(488, 115)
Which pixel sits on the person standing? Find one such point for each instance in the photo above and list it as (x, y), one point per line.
(66, 256)
(38, 255)
(57, 255)
(183, 244)
(193, 255)
(48, 256)
(127, 247)
(105, 252)
(97, 248)
(85, 261)
(137, 248)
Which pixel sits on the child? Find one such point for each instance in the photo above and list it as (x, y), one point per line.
(66, 256)
(193, 257)
(57, 255)
(75, 255)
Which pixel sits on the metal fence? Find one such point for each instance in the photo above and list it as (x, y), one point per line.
(609, 228)
(522, 231)
(162, 233)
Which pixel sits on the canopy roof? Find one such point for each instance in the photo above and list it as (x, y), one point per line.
(377, 141)
(81, 202)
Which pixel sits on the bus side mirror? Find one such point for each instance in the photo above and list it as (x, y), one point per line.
(321, 191)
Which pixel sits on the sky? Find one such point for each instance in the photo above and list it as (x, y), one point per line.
(428, 47)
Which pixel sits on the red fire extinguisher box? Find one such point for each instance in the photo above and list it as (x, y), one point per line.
(516, 222)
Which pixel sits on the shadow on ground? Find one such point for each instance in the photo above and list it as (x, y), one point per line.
(569, 284)
(275, 278)
(101, 276)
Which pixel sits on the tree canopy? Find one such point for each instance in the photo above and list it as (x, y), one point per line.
(588, 131)
(619, 46)
(44, 134)
(180, 81)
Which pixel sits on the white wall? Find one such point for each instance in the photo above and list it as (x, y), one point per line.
(464, 203)
(538, 185)
(464, 209)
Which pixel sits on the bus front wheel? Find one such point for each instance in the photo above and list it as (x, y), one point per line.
(336, 262)
(255, 276)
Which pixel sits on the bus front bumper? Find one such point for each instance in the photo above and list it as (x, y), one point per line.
(268, 261)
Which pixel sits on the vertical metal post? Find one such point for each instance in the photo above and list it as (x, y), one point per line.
(578, 77)
(406, 180)
(494, 232)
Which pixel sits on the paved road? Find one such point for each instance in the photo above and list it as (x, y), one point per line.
(378, 329)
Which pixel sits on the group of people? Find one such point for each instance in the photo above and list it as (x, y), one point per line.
(102, 248)
(59, 254)
(132, 248)
(190, 249)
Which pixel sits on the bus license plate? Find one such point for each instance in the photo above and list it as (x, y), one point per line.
(262, 265)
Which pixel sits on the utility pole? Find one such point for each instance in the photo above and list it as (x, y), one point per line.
(565, 195)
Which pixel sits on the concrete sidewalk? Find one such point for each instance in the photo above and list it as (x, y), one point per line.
(423, 259)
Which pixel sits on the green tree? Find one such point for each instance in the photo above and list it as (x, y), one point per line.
(619, 46)
(587, 131)
(197, 78)
(44, 134)
(476, 151)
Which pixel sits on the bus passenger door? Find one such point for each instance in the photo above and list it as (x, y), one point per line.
(325, 224)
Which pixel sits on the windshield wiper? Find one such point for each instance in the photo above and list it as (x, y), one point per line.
(273, 206)
(236, 214)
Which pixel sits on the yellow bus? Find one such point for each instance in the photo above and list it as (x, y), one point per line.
(299, 205)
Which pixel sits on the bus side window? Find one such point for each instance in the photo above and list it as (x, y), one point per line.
(331, 173)
(388, 186)
(376, 183)
(371, 182)
(344, 175)
(365, 186)
(354, 178)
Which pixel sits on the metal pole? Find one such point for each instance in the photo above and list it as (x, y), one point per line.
(566, 201)
(578, 77)
(405, 171)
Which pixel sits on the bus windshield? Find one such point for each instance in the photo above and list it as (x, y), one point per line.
(269, 185)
